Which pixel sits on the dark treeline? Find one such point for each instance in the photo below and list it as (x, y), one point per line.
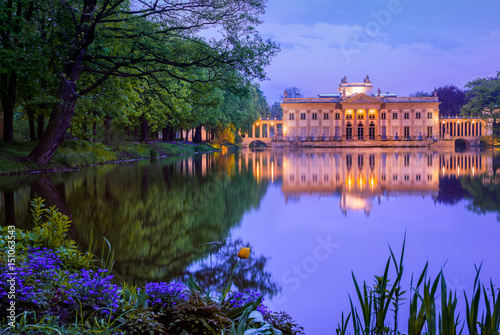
(107, 69)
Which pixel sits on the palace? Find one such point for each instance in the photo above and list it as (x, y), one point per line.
(355, 116)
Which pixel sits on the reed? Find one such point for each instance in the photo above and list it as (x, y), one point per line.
(371, 314)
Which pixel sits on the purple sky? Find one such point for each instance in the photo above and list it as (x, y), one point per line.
(403, 45)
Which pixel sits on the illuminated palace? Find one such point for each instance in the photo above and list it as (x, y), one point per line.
(360, 118)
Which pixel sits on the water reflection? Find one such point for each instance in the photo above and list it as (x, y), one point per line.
(158, 214)
(360, 177)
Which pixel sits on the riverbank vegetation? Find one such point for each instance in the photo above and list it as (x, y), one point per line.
(75, 154)
(59, 289)
(432, 305)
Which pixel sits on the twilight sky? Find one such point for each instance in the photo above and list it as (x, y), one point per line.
(403, 45)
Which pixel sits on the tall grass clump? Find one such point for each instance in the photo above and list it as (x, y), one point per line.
(376, 310)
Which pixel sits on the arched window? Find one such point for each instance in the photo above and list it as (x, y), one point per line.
(348, 131)
(360, 131)
(371, 131)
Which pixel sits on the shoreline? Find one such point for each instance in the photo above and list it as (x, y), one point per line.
(79, 156)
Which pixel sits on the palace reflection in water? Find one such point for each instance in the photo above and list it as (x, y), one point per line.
(359, 176)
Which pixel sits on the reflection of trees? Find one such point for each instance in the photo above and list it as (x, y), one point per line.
(450, 190)
(250, 274)
(484, 192)
(157, 215)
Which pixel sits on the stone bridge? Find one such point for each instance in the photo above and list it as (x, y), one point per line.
(264, 130)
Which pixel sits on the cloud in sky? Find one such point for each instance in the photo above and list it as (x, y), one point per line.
(404, 46)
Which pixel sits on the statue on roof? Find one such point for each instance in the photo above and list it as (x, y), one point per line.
(344, 80)
(367, 79)
(379, 91)
(435, 93)
(286, 94)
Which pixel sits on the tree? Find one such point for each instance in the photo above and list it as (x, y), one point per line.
(276, 110)
(484, 100)
(291, 92)
(21, 51)
(452, 100)
(110, 38)
(421, 94)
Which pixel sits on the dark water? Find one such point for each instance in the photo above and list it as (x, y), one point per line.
(310, 216)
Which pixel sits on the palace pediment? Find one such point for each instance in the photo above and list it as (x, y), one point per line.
(361, 98)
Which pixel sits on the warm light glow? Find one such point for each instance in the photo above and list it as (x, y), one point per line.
(258, 173)
(349, 182)
(472, 121)
(473, 171)
(284, 129)
(443, 121)
(272, 172)
(458, 170)
(361, 183)
(371, 182)
(272, 123)
(443, 170)
(349, 111)
(257, 123)
(458, 122)
(372, 111)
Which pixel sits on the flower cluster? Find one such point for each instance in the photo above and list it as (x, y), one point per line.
(39, 268)
(88, 290)
(163, 295)
(43, 286)
(239, 299)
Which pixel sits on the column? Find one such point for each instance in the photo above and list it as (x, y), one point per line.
(342, 130)
(355, 125)
(413, 135)
(378, 128)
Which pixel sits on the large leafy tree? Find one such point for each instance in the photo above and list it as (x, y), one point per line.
(451, 98)
(484, 100)
(22, 53)
(109, 38)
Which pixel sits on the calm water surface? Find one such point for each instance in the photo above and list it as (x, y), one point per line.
(310, 216)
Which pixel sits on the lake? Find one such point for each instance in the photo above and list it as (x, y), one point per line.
(311, 216)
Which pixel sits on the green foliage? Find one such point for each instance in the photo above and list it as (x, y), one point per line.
(50, 231)
(483, 96)
(284, 322)
(196, 315)
(139, 322)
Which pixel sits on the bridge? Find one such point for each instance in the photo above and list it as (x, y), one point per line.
(456, 127)
(264, 131)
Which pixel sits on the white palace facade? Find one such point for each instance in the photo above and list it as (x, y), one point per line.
(356, 114)
(356, 117)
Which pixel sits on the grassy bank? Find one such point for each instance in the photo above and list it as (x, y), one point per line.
(74, 154)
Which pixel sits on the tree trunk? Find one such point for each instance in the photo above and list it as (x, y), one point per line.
(8, 100)
(187, 134)
(197, 135)
(60, 118)
(31, 121)
(144, 129)
(181, 138)
(164, 134)
(41, 125)
(212, 135)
